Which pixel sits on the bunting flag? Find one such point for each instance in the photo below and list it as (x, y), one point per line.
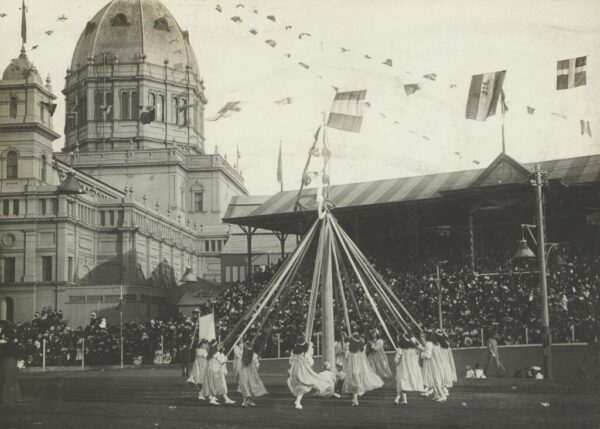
(571, 73)
(280, 168)
(585, 127)
(483, 95)
(411, 88)
(347, 111)
(430, 76)
(284, 101)
(530, 110)
(503, 106)
(24, 23)
(226, 111)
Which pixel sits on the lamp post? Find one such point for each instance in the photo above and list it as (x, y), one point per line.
(539, 181)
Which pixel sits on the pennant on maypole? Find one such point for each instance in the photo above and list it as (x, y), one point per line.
(571, 73)
(347, 111)
(483, 95)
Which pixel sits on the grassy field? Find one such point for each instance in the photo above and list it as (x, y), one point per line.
(158, 398)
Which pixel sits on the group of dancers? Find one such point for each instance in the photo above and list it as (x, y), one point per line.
(209, 371)
(424, 366)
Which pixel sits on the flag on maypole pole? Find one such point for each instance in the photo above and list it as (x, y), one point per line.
(280, 169)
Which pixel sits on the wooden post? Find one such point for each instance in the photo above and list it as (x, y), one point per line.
(83, 353)
(162, 349)
(482, 342)
(526, 335)
(278, 345)
(44, 355)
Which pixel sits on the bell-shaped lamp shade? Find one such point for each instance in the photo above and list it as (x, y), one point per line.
(523, 251)
(188, 277)
(70, 185)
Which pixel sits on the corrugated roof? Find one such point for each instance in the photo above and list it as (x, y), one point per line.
(580, 170)
(243, 205)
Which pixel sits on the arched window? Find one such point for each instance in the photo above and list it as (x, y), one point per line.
(175, 114)
(125, 105)
(43, 161)
(119, 20)
(98, 104)
(183, 112)
(160, 113)
(135, 106)
(152, 99)
(109, 104)
(82, 109)
(13, 107)
(12, 165)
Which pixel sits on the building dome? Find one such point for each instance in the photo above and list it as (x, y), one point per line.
(128, 30)
(21, 68)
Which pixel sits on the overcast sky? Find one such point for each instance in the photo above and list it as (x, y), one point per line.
(423, 133)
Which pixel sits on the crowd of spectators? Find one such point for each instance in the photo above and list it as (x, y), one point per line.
(504, 298)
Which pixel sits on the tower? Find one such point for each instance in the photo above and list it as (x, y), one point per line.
(132, 59)
(26, 108)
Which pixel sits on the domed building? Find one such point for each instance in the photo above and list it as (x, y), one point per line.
(132, 201)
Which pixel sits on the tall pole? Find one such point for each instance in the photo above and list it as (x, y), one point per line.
(327, 316)
(121, 322)
(547, 343)
(438, 281)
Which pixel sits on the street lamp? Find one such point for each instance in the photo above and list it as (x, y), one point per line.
(538, 181)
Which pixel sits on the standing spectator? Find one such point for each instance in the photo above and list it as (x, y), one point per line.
(493, 357)
(10, 392)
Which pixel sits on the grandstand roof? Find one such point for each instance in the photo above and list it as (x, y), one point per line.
(263, 242)
(503, 171)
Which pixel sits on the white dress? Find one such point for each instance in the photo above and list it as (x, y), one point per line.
(432, 373)
(198, 367)
(378, 359)
(214, 379)
(408, 371)
(360, 377)
(250, 385)
(302, 378)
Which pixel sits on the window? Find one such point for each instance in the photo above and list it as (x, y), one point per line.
(198, 201)
(16, 207)
(9, 270)
(82, 110)
(5, 207)
(42, 112)
(13, 107)
(206, 246)
(111, 216)
(160, 115)
(12, 165)
(212, 245)
(183, 112)
(135, 106)
(44, 169)
(220, 245)
(175, 115)
(119, 20)
(161, 24)
(98, 104)
(152, 99)
(70, 269)
(109, 106)
(102, 218)
(46, 268)
(125, 106)
(55, 206)
(43, 207)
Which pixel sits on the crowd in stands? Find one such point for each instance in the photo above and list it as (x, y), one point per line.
(508, 304)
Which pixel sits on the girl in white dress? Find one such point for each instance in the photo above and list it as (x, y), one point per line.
(360, 377)
(237, 360)
(447, 352)
(250, 384)
(214, 380)
(302, 378)
(432, 373)
(199, 367)
(377, 357)
(408, 370)
(440, 358)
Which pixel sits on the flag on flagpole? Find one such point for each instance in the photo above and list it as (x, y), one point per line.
(206, 327)
(227, 110)
(24, 23)
(347, 111)
(280, 168)
(503, 105)
(571, 73)
(483, 95)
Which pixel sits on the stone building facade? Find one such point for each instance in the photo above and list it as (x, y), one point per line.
(128, 204)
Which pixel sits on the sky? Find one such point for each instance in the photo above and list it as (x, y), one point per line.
(401, 135)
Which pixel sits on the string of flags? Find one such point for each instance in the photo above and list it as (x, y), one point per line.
(484, 92)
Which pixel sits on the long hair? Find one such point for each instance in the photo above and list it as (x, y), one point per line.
(404, 342)
(213, 348)
(247, 354)
(356, 345)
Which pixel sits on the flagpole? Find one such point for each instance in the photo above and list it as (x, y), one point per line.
(121, 322)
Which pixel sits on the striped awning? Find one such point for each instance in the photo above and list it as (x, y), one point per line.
(570, 171)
